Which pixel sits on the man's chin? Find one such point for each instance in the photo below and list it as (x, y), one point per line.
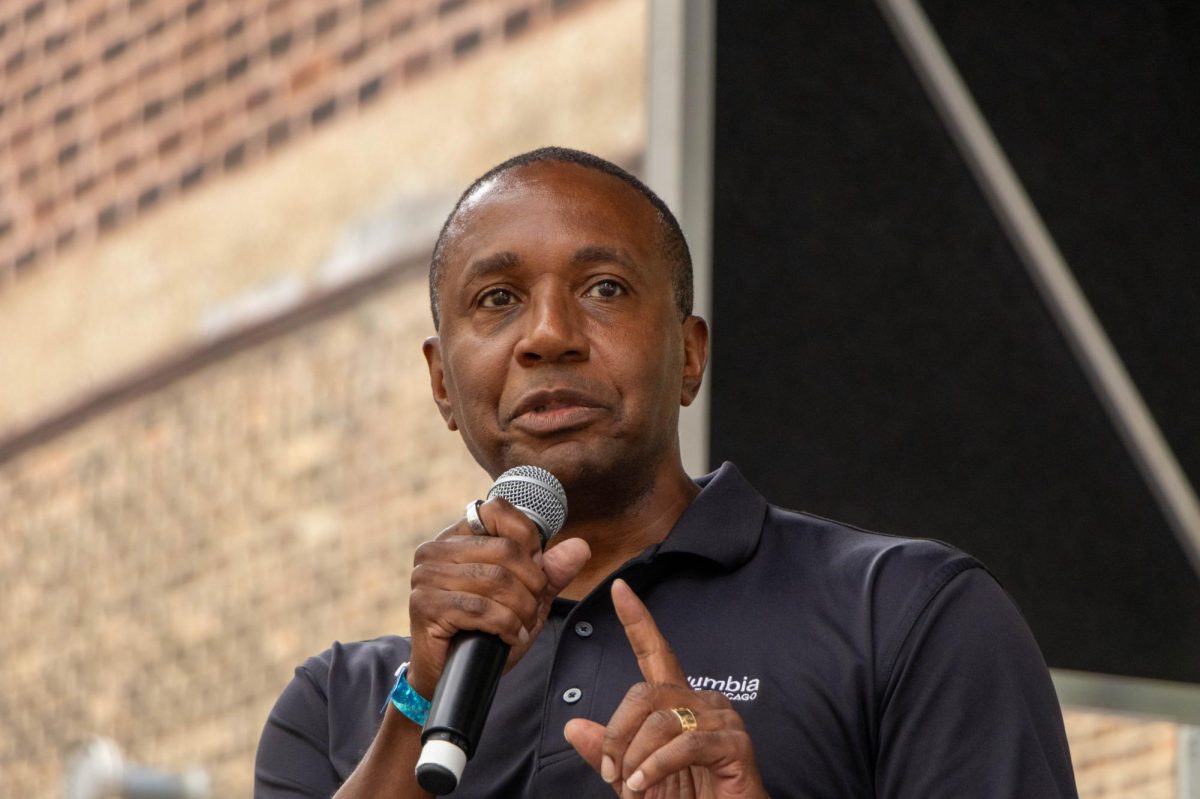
(597, 478)
(570, 461)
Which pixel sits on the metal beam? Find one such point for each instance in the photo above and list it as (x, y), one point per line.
(1048, 269)
(679, 155)
(1177, 701)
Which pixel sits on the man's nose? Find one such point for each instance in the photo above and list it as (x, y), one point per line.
(554, 332)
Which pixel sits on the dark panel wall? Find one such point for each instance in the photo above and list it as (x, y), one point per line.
(881, 356)
(1098, 107)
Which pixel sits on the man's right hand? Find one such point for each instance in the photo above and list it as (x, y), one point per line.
(500, 583)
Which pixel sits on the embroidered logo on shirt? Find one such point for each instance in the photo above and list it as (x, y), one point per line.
(743, 689)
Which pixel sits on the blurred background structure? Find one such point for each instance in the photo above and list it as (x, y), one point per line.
(217, 449)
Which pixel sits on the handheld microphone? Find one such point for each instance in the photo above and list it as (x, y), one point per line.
(468, 684)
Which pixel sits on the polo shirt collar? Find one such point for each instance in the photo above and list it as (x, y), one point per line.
(724, 521)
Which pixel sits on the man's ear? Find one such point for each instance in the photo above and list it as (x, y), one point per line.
(695, 357)
(437, 379)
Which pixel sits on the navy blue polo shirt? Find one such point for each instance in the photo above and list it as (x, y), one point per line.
(864, 665)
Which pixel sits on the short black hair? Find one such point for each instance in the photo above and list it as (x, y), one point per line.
(674, 246)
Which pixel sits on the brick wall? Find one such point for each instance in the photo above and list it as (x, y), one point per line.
(168, 565)
(150, 287)
(1116, 756)
(109, 108)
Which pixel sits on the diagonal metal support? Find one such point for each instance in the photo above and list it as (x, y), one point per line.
(1058, 287)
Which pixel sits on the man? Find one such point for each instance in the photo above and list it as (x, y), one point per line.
(806, 658)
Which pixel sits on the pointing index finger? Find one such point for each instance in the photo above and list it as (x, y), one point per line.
(654, 656)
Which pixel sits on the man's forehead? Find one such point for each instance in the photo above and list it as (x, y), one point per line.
(528, 198)
(563, 182)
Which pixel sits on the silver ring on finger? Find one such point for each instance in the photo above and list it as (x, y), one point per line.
(473, 520)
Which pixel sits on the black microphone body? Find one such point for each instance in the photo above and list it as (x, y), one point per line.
(476, 660)
(465, 691)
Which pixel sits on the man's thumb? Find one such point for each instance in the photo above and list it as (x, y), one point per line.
(563, 561)
(587, 737)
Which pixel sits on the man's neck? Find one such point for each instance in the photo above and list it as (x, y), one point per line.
(617, 538)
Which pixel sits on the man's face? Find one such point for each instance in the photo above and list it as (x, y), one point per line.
(560, 342)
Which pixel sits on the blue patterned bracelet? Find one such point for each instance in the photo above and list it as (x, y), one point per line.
(414, 706)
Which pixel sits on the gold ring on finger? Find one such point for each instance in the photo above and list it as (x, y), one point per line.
(687, 718)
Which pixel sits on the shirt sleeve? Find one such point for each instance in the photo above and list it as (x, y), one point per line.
(968, 707)
(293, 752)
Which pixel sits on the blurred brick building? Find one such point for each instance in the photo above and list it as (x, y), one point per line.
(217, 449)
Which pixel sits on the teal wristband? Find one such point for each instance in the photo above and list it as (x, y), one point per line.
(410, 703)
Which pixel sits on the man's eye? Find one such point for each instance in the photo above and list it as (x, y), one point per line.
(496, 298)
(606, 289)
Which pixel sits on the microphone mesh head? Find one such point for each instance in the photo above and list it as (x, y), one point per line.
(537, 493)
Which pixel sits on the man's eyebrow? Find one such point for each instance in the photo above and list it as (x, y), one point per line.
(489, 265)
(594, 254)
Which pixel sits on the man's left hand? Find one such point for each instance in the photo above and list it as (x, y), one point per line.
(645, 752)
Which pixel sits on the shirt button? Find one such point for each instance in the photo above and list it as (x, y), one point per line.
(583, 629)
(572, 695)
